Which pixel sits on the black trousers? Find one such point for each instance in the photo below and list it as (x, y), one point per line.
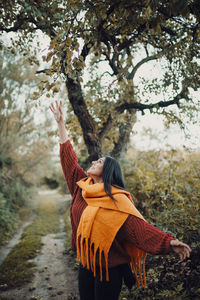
(91, 288)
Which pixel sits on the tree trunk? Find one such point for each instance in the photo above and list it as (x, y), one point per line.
(87, 123)
(125, 129)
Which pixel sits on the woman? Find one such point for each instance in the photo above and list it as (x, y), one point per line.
(108, 233)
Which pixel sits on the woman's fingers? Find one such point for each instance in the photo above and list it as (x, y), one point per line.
(53, 106)
(182, 249)
(187, 251)
(178, 243)
(57, 110)
(181, 256)
(58, 106)
(188, 247)
(60, 110)
(184, 252)
(184, 255)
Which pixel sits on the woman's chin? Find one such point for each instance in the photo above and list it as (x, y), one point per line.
(90, 171)
(91, 174)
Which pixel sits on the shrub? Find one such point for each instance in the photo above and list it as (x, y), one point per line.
(8, 220)
(166, 187)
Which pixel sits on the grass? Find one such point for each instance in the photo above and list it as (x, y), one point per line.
(66, 217)
(15, 221)
(68, 229)
(18, 268)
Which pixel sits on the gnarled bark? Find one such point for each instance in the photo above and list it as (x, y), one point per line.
(87, 123)
(125, 128)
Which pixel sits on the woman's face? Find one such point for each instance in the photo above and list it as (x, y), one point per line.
(97, 167)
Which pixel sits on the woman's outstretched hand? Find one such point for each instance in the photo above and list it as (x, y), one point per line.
(183, 250)
(57, 111)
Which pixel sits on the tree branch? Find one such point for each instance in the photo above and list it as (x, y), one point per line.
(112, 63)
(106, 127)
(86, 49)
(168, 30)
(140, 63)
(19, 25)
(42, 71)
(142, 107)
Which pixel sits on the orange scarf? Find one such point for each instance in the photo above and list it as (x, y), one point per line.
(99, 224)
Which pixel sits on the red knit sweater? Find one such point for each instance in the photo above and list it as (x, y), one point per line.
(134, 230)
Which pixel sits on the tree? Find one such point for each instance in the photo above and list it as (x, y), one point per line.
(113, 33)
(21, 156)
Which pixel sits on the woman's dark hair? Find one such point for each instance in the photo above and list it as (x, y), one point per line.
(112, 175)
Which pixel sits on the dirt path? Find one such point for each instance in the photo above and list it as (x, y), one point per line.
(55, 276)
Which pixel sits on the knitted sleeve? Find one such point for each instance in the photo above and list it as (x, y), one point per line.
(145, 236)
(71, 169)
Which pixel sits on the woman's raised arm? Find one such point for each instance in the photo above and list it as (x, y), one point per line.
(69, 161)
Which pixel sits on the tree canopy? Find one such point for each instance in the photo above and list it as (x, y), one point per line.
(112, 40)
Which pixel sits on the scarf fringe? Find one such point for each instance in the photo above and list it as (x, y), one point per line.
(87, 256)
(138, 266)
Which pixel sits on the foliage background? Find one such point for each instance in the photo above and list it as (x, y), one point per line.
(166, 189)
(25, 148)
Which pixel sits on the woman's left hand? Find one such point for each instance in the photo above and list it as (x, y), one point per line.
(183, 250)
